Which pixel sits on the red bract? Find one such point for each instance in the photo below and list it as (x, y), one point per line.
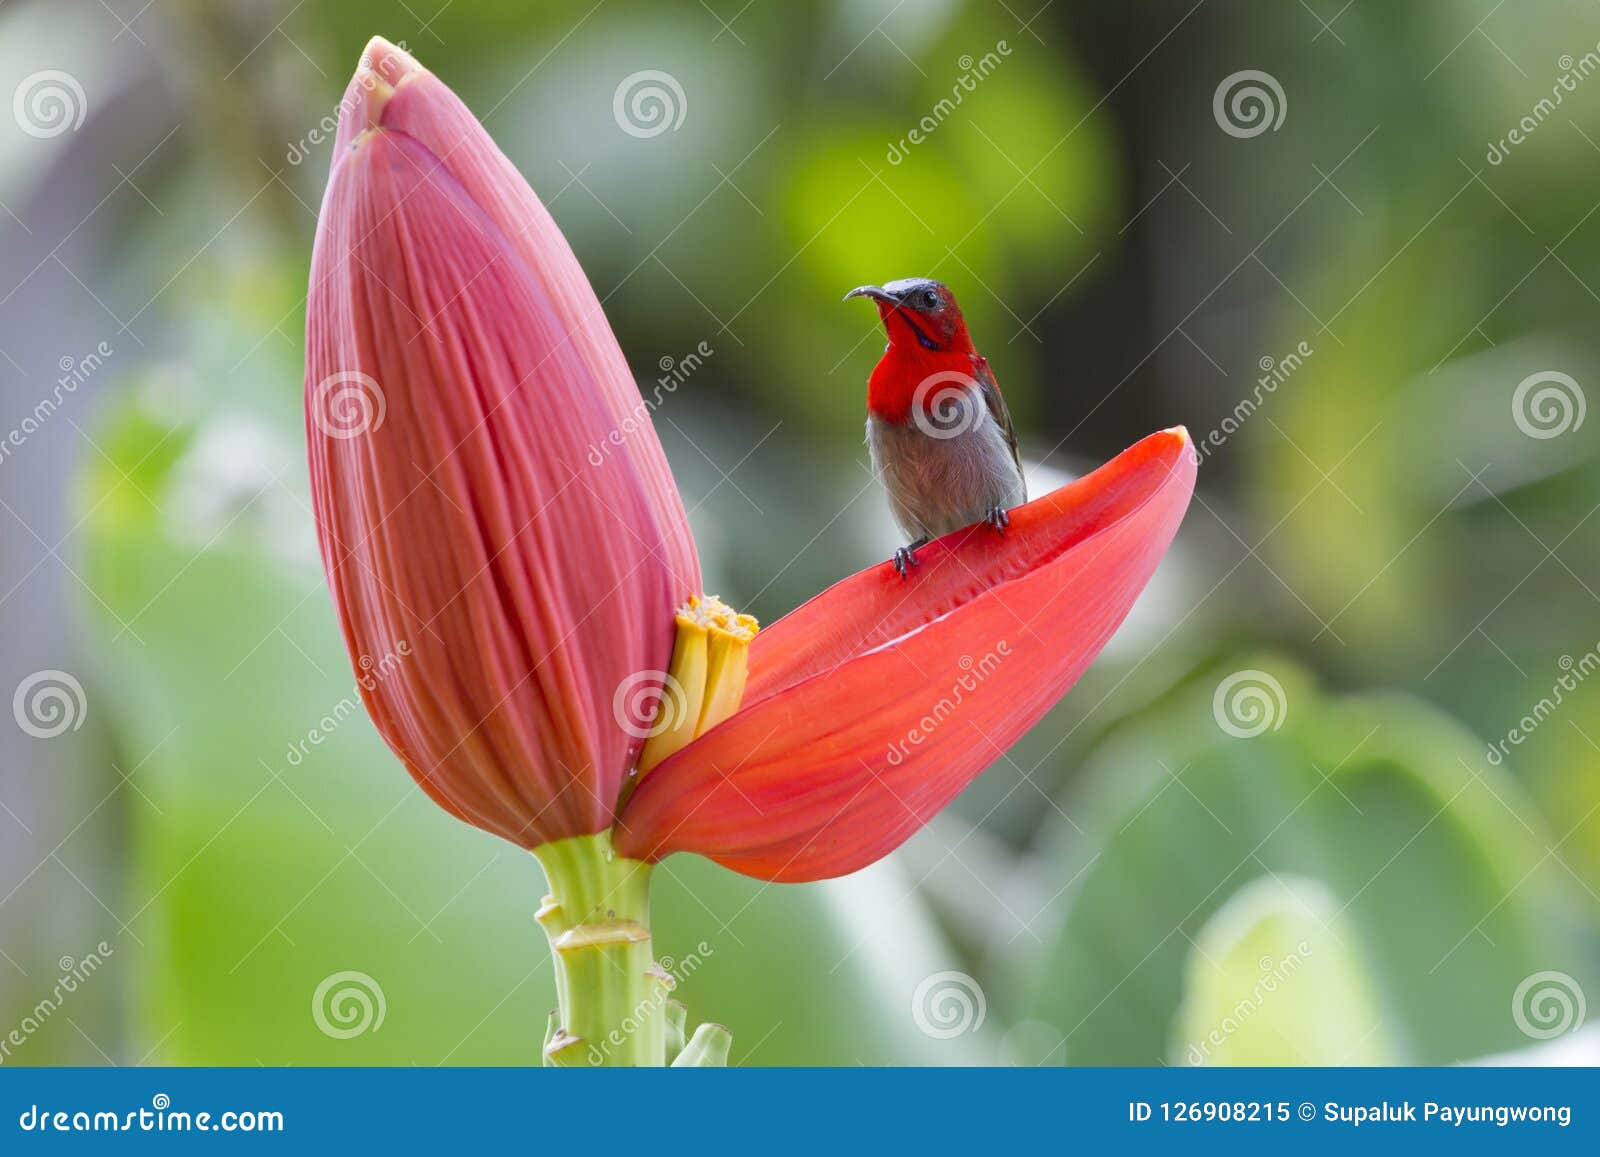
(461, 513)
(458, 371)
(392, 91)
(870, 707)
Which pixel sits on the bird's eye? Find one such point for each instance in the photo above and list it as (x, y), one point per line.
(930, 298)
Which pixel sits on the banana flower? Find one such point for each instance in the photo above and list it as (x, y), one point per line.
(567, 683)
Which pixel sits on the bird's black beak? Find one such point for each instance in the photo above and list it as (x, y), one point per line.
(876, 292)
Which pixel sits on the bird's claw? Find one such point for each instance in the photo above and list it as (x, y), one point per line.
(904, 559)
(999, 518)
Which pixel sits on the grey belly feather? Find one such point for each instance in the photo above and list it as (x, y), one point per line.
(945, 472)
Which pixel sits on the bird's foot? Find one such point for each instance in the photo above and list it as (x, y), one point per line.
(999, 518)
(905, 558)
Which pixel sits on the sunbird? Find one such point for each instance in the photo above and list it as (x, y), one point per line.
(938, 429)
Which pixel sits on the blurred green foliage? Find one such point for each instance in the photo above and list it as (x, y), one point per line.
(1430, 887)
(1272, 949)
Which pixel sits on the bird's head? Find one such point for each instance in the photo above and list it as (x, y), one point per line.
(920, 316)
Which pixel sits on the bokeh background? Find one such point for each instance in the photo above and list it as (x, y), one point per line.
(1329, 797)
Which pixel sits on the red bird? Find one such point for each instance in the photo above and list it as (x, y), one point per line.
(940, 434)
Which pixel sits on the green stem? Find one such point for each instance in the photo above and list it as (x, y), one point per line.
(677, 1025)
(707, 1049)
(597, 916)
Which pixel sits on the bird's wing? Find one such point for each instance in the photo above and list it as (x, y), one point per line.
(997, 405)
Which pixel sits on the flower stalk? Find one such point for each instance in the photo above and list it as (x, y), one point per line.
(597, 916)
